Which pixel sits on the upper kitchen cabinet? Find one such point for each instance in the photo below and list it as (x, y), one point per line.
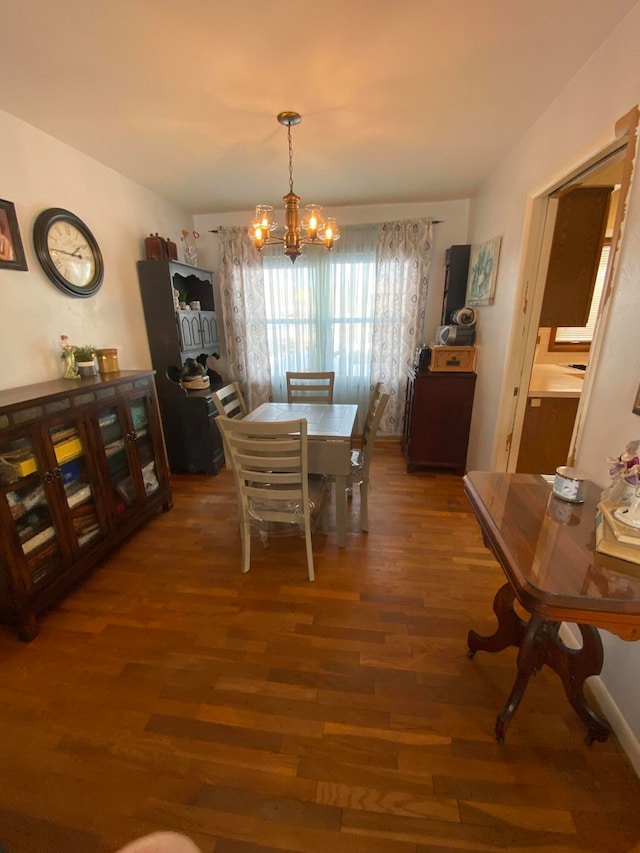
(578, 235)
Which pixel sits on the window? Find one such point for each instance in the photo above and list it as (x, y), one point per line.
(320, 310)
(578, 338)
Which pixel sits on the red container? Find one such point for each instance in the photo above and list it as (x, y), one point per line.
(155, 248)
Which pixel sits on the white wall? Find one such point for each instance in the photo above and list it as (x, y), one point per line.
(37, 172)
(576, 127)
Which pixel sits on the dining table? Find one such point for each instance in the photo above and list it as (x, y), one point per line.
(330, 430)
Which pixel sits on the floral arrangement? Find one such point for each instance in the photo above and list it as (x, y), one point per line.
(190, 249)
(84, 352)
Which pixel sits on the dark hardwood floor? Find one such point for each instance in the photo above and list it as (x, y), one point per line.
(262, 712)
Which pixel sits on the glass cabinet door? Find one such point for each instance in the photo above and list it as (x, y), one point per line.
(22, 488)
(143, 443)
(77, 481)
(115, 440)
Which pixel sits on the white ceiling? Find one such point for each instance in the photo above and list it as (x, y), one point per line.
(411, 100)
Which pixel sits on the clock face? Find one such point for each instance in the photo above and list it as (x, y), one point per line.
(68, 252)
(71, 254)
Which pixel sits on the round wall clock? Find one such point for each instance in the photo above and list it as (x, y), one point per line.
(68, 252)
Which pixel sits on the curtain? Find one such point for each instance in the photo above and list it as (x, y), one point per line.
(403, 264)
(320, 313)
(244, 317)
(357, 310)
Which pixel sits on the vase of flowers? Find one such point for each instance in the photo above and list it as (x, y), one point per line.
(189, 247)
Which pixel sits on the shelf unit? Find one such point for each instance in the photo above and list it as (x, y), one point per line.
(82, 465)
(193, 442)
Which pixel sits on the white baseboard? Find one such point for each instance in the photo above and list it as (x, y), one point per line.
(626, 738)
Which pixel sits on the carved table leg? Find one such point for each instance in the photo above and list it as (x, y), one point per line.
(511, 628)
(531, 657)
(539, 644)
(574, 666)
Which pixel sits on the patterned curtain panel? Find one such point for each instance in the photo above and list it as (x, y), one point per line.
(403, 264)
(243, 313)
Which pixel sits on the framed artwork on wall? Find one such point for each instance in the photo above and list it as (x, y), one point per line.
(11, 251)
(483, 271)
(636, 403)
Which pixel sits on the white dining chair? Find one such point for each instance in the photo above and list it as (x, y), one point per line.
(310, 387)
(229, 403)
(275, 491)
(361, 459)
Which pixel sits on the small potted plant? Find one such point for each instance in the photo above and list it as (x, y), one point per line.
(85, 359)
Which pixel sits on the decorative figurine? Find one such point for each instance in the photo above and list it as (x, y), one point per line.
(68, 355)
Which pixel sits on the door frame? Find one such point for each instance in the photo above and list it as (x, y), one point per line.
(537, 246)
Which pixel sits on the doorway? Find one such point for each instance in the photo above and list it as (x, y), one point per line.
(569, 319)
(530, 347)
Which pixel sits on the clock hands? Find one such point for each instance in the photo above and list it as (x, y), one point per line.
(73, 254)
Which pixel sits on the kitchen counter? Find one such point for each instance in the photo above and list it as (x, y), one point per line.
(555, 380)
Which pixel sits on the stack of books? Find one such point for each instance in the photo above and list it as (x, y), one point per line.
(614, 536)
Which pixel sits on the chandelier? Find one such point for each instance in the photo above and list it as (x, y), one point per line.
(313, 229)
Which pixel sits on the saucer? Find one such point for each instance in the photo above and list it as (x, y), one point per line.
(620, 515)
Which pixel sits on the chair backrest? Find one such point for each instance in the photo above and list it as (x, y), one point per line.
(377, 404)
(229, 401)
(310, 387)
(269, 461)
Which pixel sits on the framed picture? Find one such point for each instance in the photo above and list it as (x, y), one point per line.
(483, 271)
(11, 251)
(636, 403)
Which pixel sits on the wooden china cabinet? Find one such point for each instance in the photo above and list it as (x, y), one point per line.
(82, 465)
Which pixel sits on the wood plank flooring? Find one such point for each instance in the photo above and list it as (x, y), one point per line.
(262, 712)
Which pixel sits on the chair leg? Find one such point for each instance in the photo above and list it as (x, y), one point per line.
(307, 536)
(245, 532)
(364, 506)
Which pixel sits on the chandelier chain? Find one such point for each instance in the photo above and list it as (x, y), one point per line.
(290, 160)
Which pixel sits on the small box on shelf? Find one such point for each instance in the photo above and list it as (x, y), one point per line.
(454, 359)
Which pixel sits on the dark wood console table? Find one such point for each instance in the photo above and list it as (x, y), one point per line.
(546, 548)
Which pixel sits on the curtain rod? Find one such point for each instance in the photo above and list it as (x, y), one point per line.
(217, 230)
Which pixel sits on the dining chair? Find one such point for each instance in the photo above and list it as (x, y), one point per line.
(361, 459)
(310, 387)
(229, 403)
(275, 491)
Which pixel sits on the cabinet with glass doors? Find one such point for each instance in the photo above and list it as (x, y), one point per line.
(82, 464)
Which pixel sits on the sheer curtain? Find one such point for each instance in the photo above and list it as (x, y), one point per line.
(320, 313)
(357, 310)
(244, 317)
(403, 265)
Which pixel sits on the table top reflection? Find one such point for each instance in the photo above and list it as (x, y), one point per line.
(546, 548)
